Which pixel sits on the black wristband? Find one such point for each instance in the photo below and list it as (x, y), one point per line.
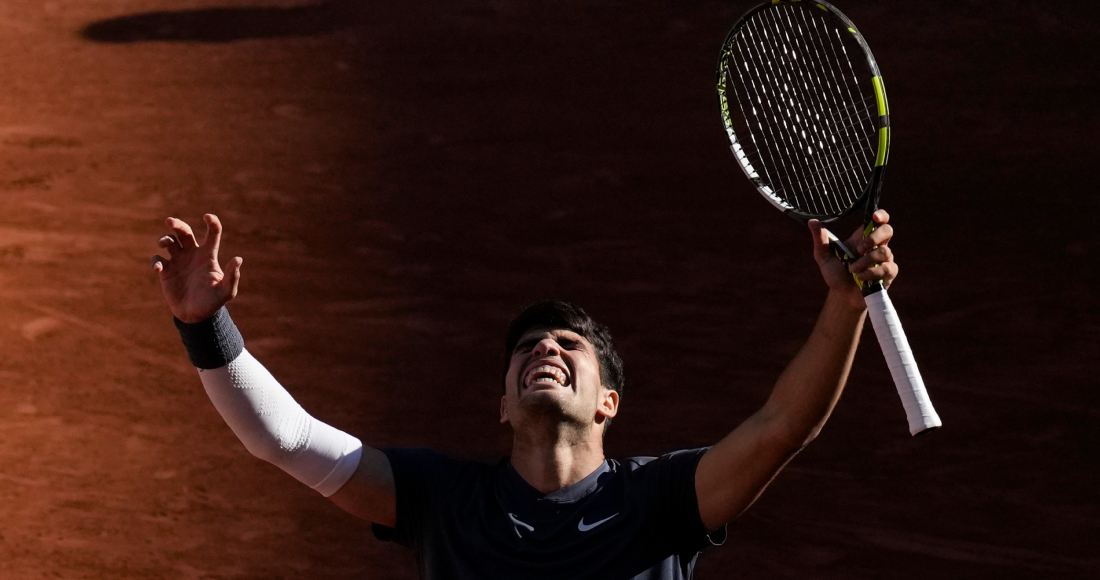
(211, 343)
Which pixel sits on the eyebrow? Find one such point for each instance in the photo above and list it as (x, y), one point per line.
(531, 342)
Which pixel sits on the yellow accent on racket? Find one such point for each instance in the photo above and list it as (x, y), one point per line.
(883, 139)
(880, 96)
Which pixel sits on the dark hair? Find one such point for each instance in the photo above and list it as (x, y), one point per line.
(562, 314)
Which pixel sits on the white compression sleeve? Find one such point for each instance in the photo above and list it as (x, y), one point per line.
(275, 428)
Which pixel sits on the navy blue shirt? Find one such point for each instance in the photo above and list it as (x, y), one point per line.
(638, 519)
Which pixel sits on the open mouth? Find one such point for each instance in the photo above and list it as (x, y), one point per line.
(546, 376)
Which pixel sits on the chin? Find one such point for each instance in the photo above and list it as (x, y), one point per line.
(545, 395)
(545, 399)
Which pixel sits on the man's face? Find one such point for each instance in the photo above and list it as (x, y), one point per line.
(555, 372)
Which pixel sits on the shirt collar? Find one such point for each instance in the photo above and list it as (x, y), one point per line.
(517, 486)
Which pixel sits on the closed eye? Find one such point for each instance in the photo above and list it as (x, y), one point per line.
(525, 347)
(570, 344)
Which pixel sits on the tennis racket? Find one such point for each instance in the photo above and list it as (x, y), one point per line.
(805, 110)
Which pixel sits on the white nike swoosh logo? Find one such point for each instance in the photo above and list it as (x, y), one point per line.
(585, 527)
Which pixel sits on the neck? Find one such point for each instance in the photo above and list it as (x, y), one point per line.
(557, 456)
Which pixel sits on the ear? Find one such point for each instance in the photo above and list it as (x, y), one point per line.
(504, 409)
(609, 403)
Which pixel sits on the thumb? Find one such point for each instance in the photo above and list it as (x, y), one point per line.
(233, 273)
(820, 241)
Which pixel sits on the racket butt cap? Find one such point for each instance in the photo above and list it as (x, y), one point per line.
(926, 430)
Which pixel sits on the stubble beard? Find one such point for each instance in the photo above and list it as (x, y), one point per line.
(551, 413)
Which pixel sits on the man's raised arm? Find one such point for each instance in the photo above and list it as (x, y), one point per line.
(256, 407)
(733, 473)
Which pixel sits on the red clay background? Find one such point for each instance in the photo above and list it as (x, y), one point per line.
(402, 177)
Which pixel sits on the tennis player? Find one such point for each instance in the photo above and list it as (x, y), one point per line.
(556, 508)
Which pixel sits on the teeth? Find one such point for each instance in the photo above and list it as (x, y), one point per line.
(545, 372)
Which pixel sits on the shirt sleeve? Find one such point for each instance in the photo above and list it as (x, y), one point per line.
(670, 480)
(422, 478)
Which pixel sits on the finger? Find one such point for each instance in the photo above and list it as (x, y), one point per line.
(885, 271)
(879, 255)
(233, 272)
(880, 237)
(169, 244)
(213, 236)
(159, 264)
(880, 218)
(183, 234)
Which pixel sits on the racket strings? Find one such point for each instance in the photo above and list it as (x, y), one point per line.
(845, 122)
(866, 116)
(811, 126)
(838, 167)
(756, 88)
(805, 114)
(769, 83)
(846, 134)
(779, 101)
(762, 86)
(825, 190)
(854, 111)
(805, 68)
(763, 144)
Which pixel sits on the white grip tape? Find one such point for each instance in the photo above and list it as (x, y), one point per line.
(903, 368)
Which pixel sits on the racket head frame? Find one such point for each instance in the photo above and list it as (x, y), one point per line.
(871, 190)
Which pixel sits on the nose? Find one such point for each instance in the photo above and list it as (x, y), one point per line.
(546, 347)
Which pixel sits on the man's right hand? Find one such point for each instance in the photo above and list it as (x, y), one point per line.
(193, 282)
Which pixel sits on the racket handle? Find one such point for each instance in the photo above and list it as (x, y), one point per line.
(903, 368)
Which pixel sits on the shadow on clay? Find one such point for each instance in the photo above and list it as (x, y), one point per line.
(226, 24)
